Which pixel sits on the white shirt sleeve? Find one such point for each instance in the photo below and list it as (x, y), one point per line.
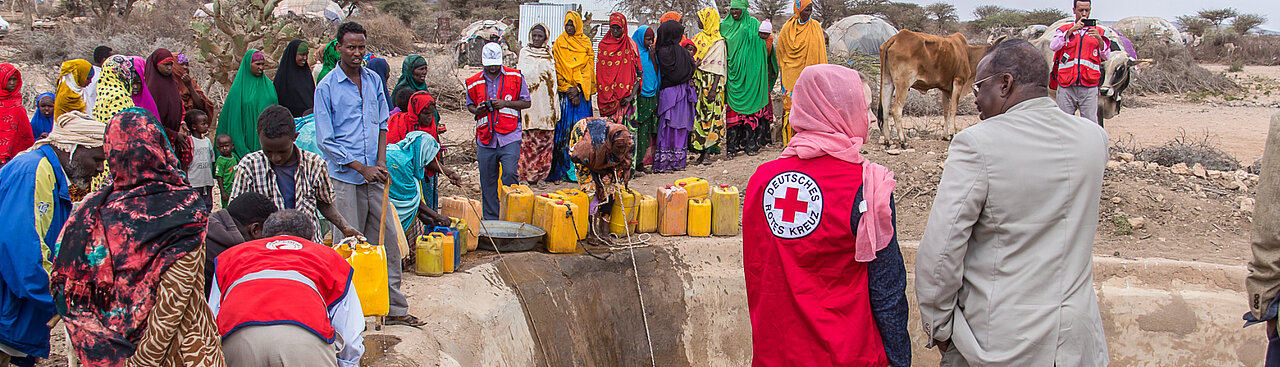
(215, 298)
(347, 318)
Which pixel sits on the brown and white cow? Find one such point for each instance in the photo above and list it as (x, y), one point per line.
(924, 61)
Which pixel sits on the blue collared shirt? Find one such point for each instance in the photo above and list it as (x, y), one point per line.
(347, 124)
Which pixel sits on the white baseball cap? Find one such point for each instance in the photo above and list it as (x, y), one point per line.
(491, 55)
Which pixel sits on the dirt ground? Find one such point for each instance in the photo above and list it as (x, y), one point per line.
(1180, 223)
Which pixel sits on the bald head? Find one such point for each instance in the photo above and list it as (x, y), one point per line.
(1018, 58)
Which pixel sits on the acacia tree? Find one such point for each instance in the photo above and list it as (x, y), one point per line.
(1244, 23)
(769, 9)
(943, 14)
(1217, 16)
(1194, 24)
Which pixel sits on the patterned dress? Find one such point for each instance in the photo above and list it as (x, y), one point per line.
(708, 121)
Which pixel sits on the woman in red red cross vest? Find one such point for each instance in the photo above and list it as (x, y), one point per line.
(825, 279)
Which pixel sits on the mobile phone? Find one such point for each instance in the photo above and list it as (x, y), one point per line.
(1088, 22)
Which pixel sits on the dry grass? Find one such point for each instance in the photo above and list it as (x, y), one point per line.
(1228, 47)
(1174, 70)
(390, 37)
(1184, 149)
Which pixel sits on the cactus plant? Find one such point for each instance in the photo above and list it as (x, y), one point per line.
(234, 27)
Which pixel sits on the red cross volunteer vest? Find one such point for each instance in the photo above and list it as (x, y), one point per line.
(808, 297)
(280, 280)
(502, 121)
(1079, 60)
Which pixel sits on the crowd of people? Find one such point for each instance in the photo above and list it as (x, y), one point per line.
(119, 167)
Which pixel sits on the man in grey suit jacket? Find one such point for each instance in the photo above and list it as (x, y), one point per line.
(1004, 272)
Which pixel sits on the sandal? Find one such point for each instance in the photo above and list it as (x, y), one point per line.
(406, 320)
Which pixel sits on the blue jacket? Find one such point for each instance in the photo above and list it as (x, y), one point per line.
(26, 304)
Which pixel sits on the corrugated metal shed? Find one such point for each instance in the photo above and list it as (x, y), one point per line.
(550, 15)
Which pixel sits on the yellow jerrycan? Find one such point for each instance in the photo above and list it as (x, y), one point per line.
(462, 233)
(446, 251)
(673, 211)
(699, 217)
(726, 211)
(561, 236)
(369, 275)
(581, 214)
(647, 220)
(516, 204)
(626, 209)
(428, 260)
(540, 205)
(466, 210)
(697, 187)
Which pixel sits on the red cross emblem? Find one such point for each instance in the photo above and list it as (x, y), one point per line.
(791, 204)
(787, 196)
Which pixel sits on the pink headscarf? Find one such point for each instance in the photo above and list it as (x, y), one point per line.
(144, 99)
(829, 115)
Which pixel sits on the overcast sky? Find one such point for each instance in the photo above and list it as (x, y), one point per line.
(1116, 9)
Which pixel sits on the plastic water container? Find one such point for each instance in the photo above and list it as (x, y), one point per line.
(468, 211)
(540, 204)
(697, 187)
(446, 251)
(461, 234)
(581, 214)
(700, 217)
(626, 210)
(726, 211)
(429, 260)
(647, 220)
(451, 236)
(516, 202)
(673, 211)
(369, 275)
(561, 237)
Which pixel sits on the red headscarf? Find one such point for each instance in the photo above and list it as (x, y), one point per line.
(405, 122)
(617, 67)
(829, 116)
(15, 127)
(123, 238)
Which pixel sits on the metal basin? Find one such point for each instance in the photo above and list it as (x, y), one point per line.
(509, 236)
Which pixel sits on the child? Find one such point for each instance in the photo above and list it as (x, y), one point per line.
(225, 165)
(200, 173)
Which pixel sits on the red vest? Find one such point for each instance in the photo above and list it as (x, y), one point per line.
(280, 280)
(505, 120)
(807, 296)
(1079, 62)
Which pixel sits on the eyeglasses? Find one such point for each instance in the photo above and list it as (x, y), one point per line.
(979, 82)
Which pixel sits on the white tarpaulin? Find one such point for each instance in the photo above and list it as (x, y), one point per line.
(862, 33)
(1138, 27)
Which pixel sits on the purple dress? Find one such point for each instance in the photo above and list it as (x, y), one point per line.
(675, 118)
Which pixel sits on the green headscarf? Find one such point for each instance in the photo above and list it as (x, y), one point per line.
(406, 161)
(406, 74)
(406, 80)
(748, 72)
(248, 97)
(330, 59)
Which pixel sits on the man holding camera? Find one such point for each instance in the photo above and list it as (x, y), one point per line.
(495, 96)
(1079, 50)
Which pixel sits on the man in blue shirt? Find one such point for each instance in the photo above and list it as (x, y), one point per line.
(495, 96)
(36, 191)
(351, 130)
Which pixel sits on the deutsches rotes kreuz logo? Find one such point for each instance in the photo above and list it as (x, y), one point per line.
(792, 205)
(284, 245)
